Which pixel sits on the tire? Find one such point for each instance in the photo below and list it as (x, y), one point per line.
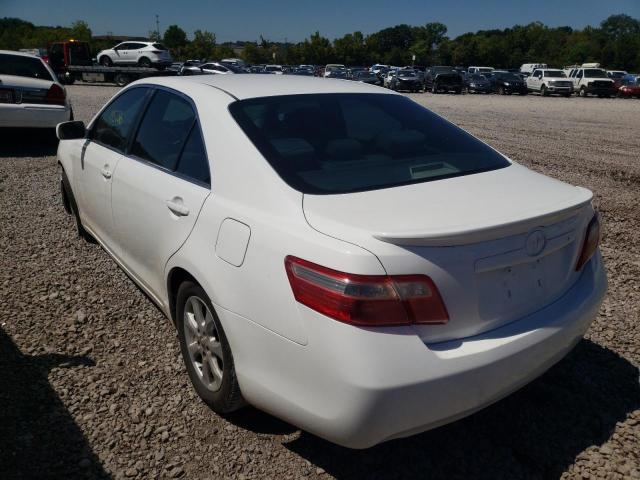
(122, 79)
(566, 95)
(210, 364)
(105, 61)
(583, 92)
(71, 207)
(434, 88)
(543, 91)
(458, 91)
(144, 62)
(501, 90)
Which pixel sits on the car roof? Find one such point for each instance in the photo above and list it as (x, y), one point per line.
(20, 54)
(248, 85)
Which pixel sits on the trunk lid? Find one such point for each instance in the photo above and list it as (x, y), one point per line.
(499, 245)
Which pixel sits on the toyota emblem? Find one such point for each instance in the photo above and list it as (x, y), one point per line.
(535, 243)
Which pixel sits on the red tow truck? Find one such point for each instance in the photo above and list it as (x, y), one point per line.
(72, 61)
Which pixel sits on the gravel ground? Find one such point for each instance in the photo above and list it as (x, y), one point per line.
(92, 384)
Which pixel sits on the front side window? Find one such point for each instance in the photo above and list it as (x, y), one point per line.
(340, 143)
(116, 122)
(164, 130)
(23, 66)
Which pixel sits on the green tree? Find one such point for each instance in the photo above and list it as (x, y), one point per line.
(80, 31)
(203, 45)
(175, 39)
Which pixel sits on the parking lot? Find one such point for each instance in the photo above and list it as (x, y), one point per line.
(92, 383)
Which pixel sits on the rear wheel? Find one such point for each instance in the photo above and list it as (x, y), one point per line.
(205, 350)
(105, 61)
(144, 62)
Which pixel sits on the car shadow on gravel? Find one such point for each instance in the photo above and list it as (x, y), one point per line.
(21, 142)
(38, 436)
(535, 433)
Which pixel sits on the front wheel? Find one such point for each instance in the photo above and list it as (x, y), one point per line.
(583, 92)
(501, 91)
(105, 61)
(205, 350)
(543, 91)
(71, 207)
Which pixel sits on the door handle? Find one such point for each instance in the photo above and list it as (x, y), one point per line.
(177, 207)
(106, 173)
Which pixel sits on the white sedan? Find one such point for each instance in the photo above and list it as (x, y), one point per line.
(332, 252)
(30, 94)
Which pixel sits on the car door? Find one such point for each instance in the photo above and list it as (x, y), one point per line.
(533, 82)
(120, 53)
(135, 52)
(100, 156)
(159, 187)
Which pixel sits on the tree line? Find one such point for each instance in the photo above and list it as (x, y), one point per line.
(615, 43)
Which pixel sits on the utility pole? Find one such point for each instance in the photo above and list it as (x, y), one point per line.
(157, 27)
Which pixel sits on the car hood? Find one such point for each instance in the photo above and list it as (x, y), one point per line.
(454, 211)
(23, 82)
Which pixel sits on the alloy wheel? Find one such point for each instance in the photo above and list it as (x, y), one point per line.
(203, 343)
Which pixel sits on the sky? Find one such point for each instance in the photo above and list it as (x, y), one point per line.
(294, 20)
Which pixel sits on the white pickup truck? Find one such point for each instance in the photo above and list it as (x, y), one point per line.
(591, 80)
(547, 81)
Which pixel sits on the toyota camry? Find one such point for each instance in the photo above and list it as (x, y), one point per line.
(332, 252)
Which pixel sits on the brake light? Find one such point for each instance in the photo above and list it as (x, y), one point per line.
(590, 243)
(366, 300)
(55, 95)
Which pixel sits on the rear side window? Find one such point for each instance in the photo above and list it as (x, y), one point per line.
(193, 161)
(164, 130)
(115, 123)
(341, 143)
(22, 66)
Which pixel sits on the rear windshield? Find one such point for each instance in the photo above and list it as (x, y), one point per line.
(159, 46)
(23, 67)
(340, 143)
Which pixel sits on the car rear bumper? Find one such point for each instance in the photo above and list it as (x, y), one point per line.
(358, 387)
(33, 115)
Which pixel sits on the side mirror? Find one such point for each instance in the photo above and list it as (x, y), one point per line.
(71, 130)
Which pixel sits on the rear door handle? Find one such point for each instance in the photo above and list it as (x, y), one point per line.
(177, 207)
(106, 173)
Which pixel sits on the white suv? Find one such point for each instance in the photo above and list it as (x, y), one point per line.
(142, 54)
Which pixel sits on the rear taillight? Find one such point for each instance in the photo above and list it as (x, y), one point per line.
(366, 300)
(590, 243)
(55, 95)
